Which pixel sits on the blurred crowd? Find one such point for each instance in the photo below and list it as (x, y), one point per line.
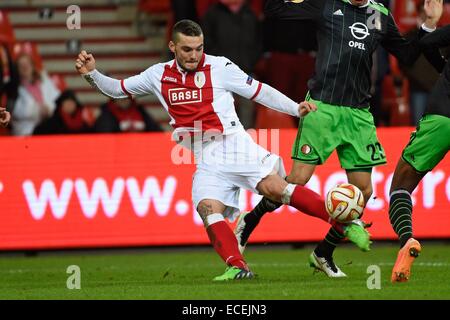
(42, 104)
(39, 106)
(280, 53)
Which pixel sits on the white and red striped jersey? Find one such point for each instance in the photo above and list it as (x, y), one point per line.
(204, 95)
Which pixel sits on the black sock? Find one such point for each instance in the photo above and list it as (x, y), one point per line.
(253, 217)
(264, 206)
(326, 247)
(400, 215)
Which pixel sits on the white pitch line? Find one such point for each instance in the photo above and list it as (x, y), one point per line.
(195, 266)
(358, 264)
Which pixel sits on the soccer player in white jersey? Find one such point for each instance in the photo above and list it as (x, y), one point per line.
(197, 88)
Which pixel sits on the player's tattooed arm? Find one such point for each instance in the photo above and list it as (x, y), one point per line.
(90, 80)
(110, 87)
(85, 65)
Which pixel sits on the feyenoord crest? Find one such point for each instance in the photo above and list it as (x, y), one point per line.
(200, 79)
(306, 149)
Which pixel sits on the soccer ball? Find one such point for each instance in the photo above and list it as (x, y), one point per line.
(345, 203)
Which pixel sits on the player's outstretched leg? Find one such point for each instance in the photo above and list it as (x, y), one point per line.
(309, 202)
(404, 182)
(300, 175)
(248, 221)
(223, 241)
(312, 204)
(400, 212)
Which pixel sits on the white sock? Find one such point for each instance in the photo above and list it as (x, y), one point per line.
(213, 218)
(287, 193)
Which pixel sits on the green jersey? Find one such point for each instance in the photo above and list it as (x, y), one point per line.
(347, 36)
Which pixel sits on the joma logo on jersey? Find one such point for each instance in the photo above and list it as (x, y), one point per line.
(183, 96)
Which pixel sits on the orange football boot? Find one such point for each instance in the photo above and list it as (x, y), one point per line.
(405, 259)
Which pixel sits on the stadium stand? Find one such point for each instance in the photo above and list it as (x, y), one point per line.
(115, 32)
(108, 30)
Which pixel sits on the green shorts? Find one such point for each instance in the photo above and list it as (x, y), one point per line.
(429, 143)
(350, 131)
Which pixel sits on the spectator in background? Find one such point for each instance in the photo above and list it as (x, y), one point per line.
(9, 78)
(124, 115)
(68, 117)
(36, 97)
(9, 82)
(234, 31)
(5, 117)
(184, 9)
(231, 29)
(380, 69)
(421, 75)
(288, 65)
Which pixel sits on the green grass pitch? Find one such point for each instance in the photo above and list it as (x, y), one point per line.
(176, 274)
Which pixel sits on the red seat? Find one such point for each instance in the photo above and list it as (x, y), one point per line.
(396, 96)
(155, 6)
(257, 7)
(445, 15)
(202, 6)
(289, 73)
(405, 14)
(6, 30)
(59, 82)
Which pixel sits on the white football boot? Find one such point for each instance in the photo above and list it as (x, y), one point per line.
(238, 232)
(325, 265)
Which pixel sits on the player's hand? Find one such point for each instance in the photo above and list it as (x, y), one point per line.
(433, 11)
(5, 117)
(85, 62)
(306, 107)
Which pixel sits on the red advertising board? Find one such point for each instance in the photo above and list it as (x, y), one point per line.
(125, 190)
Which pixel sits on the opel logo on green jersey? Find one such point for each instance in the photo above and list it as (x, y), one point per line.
(359, 30)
